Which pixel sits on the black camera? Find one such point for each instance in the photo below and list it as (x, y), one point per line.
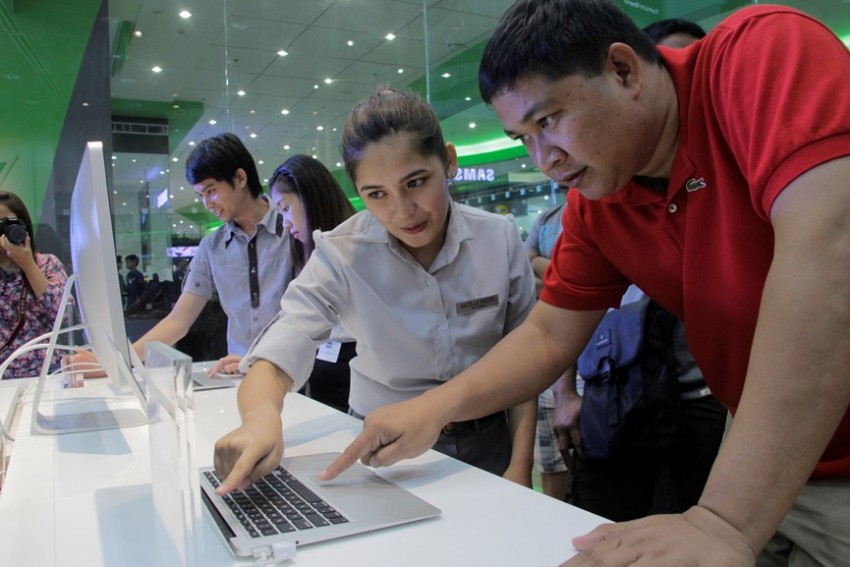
(15, 230)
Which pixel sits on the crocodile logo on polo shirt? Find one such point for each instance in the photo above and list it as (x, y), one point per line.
(695, 184)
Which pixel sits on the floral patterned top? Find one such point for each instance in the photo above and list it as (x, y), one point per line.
(37, 315)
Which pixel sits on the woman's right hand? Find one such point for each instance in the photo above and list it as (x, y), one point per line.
(250, 452)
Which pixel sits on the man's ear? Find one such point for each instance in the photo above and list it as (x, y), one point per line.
(625, 63)
(240, 178)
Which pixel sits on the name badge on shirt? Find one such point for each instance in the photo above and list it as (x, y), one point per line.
(329, 351)
(467, 307)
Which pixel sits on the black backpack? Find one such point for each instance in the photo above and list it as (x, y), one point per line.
(631, 403)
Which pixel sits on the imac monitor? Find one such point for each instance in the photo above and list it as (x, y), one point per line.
(93, 258)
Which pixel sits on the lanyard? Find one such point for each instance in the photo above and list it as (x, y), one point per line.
(253, 276)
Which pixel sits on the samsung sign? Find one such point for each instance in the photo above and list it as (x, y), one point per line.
(475, 174)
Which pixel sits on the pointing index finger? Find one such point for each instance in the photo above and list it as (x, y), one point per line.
(357, 449)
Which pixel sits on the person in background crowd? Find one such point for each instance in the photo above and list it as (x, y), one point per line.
(310, 199)
(552, 465)
(674, 32)
(135, 279)
(122, 283)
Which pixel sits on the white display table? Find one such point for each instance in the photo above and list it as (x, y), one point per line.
(85, 499)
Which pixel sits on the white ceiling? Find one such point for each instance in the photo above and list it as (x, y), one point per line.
(231, 45)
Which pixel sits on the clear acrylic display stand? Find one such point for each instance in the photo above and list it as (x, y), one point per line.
(57, 408)
(174, 476)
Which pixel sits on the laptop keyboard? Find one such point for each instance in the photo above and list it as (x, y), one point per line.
(278, 503)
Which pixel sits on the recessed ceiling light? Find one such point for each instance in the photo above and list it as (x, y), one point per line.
(315, 87)
(339, 164)
(156, 69)
(175, 106)
(446, 75)
(240, 92)
(472, 124)
(286, 146)
(253, 111)
(390, 36)
(213, 122)
(261, 162)
(285, 111)
(283, 53)
(350, 43)
(400, 71)
(328, 81)
(191, 142)
(253, 135)
(137, 33)
(174, 159)
(315, 156)
(185, 14)
(468, 98)
(85, 104)
(320, 128)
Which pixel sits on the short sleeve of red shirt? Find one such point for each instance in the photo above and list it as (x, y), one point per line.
(775, 78)
(579, 275)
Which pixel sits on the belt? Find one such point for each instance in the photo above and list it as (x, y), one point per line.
(456, 428)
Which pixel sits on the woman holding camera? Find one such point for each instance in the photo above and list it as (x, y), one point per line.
(31, 286)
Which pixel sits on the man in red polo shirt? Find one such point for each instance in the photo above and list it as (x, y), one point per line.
(716, 178)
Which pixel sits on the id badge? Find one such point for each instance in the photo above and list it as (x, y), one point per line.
(329, 351)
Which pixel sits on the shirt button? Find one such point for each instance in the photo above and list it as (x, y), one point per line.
(441, 330)
(429, 281)
(672, 208)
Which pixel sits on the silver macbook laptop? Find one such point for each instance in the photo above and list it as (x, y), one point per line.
(291, 506)
(287, 508)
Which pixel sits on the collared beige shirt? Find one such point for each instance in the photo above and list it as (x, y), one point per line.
(415, 328)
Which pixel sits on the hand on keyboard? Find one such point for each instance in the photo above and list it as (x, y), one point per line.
(248, 453)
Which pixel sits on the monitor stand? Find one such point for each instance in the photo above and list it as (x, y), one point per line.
(74, 410)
